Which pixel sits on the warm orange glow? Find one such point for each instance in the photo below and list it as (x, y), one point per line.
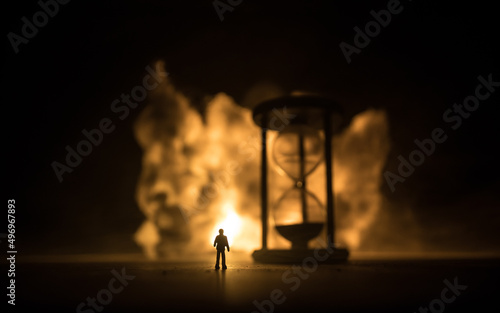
(242, 232)
(231, 223)
(209, 167)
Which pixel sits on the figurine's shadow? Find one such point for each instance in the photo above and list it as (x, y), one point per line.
(221, 283)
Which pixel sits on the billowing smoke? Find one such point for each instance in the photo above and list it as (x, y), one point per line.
(201, 172)
(360, 155)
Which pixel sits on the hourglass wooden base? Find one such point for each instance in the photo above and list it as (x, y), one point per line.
(298, 256)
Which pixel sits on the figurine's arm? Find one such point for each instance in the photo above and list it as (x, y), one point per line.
(227, 244)
(215, 240)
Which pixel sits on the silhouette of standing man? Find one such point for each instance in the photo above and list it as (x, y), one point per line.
(221, 243)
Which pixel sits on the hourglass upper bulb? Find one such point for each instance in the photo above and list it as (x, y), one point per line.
(298, 150)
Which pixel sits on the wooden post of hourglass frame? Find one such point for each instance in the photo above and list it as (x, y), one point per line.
(263, 175)
(330, 217)
(302, 179)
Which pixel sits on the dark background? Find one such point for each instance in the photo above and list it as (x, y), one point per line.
(66, 77)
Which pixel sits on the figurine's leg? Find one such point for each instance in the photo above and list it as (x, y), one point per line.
(224, 260)
(217, 260)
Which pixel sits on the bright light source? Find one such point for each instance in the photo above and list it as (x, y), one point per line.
(231, 222)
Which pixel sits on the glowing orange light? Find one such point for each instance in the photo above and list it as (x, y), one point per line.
(231, 223)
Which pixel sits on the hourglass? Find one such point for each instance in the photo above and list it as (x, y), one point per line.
(305, 126)
(298, 214)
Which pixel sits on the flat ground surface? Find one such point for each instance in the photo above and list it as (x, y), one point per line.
(360, 285)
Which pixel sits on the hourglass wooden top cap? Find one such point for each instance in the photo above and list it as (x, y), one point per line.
(276, 114)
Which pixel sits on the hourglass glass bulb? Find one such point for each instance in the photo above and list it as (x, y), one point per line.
(298, 216)
(298, 150)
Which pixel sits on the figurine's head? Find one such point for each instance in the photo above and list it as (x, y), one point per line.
(221, 231)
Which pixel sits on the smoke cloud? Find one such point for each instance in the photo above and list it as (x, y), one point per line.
(201, 172)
